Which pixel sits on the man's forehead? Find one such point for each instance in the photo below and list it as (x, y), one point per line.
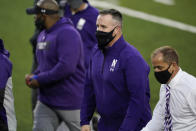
(158, 60)
(105, 16)
(105, 19)
(158, 56)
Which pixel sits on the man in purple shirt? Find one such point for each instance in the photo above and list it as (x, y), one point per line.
(60, 73)
(117, 83)
(7, 113)
(83, 16)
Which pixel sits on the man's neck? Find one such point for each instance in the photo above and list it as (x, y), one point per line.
(83, 6)
(51, 23)
(174, 74)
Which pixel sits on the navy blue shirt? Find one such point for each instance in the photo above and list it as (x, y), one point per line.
(117, 85)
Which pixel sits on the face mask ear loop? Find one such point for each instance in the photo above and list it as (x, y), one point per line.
(113, 31)
(169, 67)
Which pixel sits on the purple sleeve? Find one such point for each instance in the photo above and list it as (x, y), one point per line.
(136, 71)
(69, 46)
(37, 71)
(5, 71)
(88, 103)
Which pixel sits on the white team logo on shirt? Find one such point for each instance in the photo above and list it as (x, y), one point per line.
(81, 23)
(41, 45)
(43, 38)
(113, 65)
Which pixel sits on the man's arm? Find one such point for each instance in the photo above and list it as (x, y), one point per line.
(4, 75)
(5, 72)
(89, 102)
(69, 48)
(136, 73)
(191, 100)
(157, 121)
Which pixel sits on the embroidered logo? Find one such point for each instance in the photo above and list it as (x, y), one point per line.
(41, 45)
(43, 38)
(112, 67)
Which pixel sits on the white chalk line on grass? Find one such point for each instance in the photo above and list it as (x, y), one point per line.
(166, 2)
(145, 16)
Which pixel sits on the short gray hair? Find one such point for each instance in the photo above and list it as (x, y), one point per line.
(114, 13)
(169, 54)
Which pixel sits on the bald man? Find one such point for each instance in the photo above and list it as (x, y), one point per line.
(60, 73)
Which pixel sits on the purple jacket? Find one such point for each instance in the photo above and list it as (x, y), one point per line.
(61, 66)
(85, 22)
(118, 86)
(5, 74)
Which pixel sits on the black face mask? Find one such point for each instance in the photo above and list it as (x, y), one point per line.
(104, 38)
(40, 23)
(163, 76)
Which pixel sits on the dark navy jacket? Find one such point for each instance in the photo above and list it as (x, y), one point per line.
(61, 66)
(85, 22)
(118, 86)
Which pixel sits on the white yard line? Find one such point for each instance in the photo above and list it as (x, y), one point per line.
(145, 16)
(166, 2)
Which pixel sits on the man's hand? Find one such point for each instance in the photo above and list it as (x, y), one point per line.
(30, 81)
(85, 128)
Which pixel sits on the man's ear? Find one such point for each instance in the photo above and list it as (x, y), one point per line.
(174, 65)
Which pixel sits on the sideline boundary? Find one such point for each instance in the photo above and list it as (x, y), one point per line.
(146, 16)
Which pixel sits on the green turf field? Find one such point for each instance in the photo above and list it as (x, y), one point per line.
(16, 28)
